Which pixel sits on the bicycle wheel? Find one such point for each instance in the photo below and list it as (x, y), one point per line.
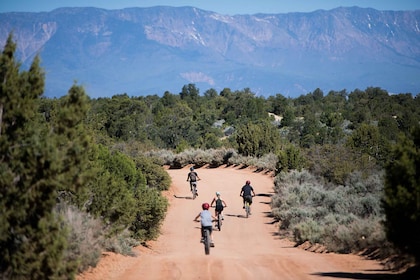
(194, 191)
(219, 222)
(247, 209)
(206, 242)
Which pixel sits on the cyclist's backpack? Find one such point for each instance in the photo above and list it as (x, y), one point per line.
(193, 176)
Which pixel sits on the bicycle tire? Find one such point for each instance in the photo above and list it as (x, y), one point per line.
(219, 222)
(194, 191)
(247, 210)
(206, 242)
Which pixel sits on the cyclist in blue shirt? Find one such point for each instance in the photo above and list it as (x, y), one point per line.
(206, 219)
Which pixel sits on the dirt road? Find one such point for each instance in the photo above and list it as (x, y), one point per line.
(244, 248)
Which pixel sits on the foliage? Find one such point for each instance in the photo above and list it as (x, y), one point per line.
(37, 160)
(257, 139)
(290, 158)
(402, 195)
(344, 218)
(86, 237)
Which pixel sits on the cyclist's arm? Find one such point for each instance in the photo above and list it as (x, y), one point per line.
(196, 218)
(211, 204)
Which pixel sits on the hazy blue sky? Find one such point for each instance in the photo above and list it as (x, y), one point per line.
(228, 7)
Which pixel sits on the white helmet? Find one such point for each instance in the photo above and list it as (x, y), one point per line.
(217, 193)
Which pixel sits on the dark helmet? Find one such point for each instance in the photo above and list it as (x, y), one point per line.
(205, 206)
(192, 168)
(248, 182)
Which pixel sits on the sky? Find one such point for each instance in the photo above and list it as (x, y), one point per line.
(225, 7)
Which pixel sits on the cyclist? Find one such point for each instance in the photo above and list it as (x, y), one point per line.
(220, 204)
(192, 177)
(206, 219)
(247, 192)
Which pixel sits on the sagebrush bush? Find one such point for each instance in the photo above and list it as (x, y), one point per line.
(86, 236)
(308, 230)
(121, 243)
(344, 218)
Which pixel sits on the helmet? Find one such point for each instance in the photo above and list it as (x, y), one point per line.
(248, 182)
(191, 168)
(217, 193)
(205, 206)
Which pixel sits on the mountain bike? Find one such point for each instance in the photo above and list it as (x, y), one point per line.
(219, 220)
(206, 241)
(247, 208)
(194, 189)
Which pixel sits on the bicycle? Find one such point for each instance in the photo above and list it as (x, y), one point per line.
(206, 241)
(247, 208)
(194, 189)
(219, 220)
(193, 186)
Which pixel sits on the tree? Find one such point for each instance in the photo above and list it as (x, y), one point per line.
(37, 160)
(402, 195)
(257, 139)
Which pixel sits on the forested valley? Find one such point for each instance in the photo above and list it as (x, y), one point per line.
(82, 175)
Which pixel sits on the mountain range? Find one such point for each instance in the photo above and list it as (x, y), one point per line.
(146, 51)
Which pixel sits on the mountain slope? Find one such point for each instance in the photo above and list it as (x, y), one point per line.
(141, 51)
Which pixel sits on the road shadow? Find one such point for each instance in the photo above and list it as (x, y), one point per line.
(358, 275)
(183, 197)
(237, 216)
(264, 194)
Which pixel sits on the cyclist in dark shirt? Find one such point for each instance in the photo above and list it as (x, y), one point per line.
(192, 177)
(247, 192)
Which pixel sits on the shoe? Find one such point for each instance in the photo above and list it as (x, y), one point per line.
(243, 207)
(223, 218)
(212, 244)
(202, 240)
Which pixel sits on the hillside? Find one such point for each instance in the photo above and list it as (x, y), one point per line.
(142, 51)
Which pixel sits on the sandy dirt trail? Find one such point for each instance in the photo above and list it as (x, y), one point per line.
(245, 248)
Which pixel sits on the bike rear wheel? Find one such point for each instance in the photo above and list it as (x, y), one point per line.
(207, 242)
(219, 222)
(247, 209)
(194, 191)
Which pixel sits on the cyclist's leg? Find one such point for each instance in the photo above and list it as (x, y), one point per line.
(211, 235)
(202, 234)
(221, 213)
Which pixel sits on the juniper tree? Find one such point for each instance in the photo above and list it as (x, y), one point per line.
(402, 195)
(36, 160)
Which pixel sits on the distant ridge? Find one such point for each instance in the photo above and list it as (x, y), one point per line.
(144, 51)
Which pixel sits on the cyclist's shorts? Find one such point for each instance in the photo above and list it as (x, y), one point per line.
(248, 199)
(210, 228)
